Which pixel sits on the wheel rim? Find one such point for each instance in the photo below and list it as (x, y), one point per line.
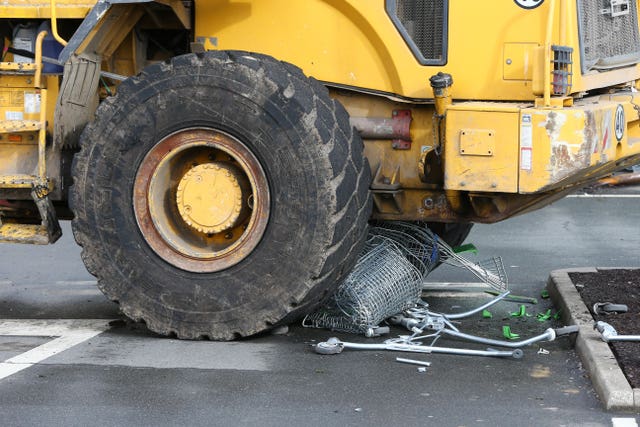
(201, 200)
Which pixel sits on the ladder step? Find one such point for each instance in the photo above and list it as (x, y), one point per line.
(24, 233)
(11, 126)
(18, 181)
(18, 67)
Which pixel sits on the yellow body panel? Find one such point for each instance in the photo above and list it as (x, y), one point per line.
(560, 147)
(480, 149)
(40, 9)
(537, 150)
(355, 43)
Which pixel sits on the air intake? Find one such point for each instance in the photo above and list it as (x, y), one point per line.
(608, 34)
(423, 25)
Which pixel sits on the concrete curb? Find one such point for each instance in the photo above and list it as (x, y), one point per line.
(607, 377)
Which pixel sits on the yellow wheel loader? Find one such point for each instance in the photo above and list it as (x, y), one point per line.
(221, 159)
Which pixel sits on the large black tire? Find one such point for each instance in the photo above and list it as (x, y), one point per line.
(317, 177)
(453, 233)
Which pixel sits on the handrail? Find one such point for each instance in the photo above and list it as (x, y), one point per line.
(38, 58)
(564, 16)
(547, 54)
(54, 24)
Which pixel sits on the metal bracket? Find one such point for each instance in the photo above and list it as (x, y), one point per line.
(402, 120)
(616, 8)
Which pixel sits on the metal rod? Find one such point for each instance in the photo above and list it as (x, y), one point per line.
(474, 311)
(548, 335)
(547, 54)
(608, 333)
(413, 362)
(335, 346)
(54, 24)
(382, 128)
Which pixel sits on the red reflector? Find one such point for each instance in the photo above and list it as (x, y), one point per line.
(15, 138)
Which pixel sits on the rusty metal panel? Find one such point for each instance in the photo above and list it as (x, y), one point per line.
(562, 146)
(481, 149)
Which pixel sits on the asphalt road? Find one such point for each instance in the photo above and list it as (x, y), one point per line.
(98, 373)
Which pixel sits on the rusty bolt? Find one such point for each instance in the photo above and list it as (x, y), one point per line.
(428, 203)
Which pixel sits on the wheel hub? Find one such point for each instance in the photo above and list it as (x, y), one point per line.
(210, 197)
(201, 200)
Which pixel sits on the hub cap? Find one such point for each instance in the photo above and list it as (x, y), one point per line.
(201, 200)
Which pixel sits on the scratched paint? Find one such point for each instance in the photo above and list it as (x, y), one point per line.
(565, 157)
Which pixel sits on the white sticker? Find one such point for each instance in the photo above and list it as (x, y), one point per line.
(620, 122)
(526, 131)
(529, 4)
(13, 115)
(31, 103)
(526, 159)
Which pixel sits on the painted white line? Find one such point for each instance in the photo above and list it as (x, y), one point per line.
(603, 196)
(76, 283)
(624, 422)
(69, 332)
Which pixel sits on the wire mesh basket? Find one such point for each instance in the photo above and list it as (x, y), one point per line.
(383, 283)
(388, 277)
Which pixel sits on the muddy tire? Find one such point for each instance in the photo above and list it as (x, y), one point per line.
(452, 233)
(286, 226)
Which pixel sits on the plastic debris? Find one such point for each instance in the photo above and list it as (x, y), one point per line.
(544, 294)
(543, 351)
(506, 332)
(543, 317)
(468, 248)
(487, 314)
(522, 312)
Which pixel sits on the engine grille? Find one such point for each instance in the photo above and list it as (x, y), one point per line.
(423, 24)
(607, 41)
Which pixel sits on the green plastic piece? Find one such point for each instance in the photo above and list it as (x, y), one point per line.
(557, 315)
(468, 248)
(522, 312)
(487, 314)
(506, 332)
(514, 298)
(543, 317)
(544, 294)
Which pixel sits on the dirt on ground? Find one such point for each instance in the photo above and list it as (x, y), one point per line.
(619, 287)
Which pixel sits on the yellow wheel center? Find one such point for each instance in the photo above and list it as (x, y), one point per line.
(210, 197)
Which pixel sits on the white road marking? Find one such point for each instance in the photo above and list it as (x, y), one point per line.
(624, 422)
(76, 282)
(603, 196)
(69, 333)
